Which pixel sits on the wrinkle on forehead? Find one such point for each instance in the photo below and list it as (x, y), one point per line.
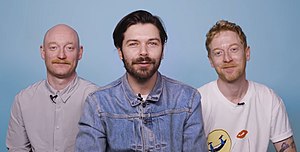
(63, 29)
(225, 39)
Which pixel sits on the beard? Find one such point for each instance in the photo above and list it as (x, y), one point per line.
(237, 74)
(142, 74)
(230, 78)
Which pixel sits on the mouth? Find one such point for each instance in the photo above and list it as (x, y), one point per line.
(61, 62)
(143, 62)
(228, 67)
(219, 146)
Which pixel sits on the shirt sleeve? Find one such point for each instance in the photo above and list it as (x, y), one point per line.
(194, 137)
(280, 126)
(17, 139)
(91, 136)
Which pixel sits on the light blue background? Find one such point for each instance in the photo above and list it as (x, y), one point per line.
(271, 26)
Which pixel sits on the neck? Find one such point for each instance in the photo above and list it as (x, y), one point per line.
(142, 87)
(233, 91)
(60, 83)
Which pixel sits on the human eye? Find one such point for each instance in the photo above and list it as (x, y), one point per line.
(132, 44)
(234, 49)
(53, 47)
(69, 47)
(218, 53)
(153, 43)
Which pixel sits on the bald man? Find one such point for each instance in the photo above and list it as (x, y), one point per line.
(45, 115)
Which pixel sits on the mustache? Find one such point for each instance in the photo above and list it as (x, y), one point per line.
(143, 60)
(228, 65)
(56, 61)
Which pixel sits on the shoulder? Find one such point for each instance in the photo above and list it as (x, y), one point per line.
(103, 95)
(169, 82)
(180, 93)
(209, 95)
(87, 85)
(32, 89)
(26, 95)
(263, 94)
(207, 87)
(107, 88)
(261, 89)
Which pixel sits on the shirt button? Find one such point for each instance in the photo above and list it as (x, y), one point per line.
(57, 127)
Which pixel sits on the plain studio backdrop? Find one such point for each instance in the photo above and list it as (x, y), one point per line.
(271, 27)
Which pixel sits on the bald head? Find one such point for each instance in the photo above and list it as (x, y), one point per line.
(61, 52)
(61, 29)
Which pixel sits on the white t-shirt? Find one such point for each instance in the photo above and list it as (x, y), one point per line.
(246, 127)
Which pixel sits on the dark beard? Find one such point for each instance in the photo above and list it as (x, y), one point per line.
(141, 75)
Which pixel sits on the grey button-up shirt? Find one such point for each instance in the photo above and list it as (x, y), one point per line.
(47, 124)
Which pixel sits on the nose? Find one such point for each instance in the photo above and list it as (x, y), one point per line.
(143, 50)
(227, 56)
(61, 54)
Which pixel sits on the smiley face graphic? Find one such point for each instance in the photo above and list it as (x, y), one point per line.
(218, 141)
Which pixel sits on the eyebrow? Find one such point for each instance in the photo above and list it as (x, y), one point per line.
(154, 39)
(58, 44)
(131, 40)
(135, 40)
(229, 46)
(49, 43)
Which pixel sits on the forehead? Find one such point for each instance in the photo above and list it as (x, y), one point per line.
(225, 38)
(141, 31)
(61, 35)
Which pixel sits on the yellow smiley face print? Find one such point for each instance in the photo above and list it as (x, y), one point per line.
(219, 141)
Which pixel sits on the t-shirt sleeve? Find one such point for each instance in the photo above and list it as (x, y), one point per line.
(280, 126)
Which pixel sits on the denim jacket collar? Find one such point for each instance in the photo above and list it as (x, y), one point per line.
(153, 96)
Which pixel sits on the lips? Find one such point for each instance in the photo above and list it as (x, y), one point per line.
(144, 65)
(228, 69)
(226, 66)
(242, 134)
(60, 62)
(143, 61)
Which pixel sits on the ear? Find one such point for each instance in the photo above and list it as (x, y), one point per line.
(80, 52)
(247, 51)
(120, 53)
(42, 51)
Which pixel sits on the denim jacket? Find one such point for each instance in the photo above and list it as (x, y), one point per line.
(169, 120)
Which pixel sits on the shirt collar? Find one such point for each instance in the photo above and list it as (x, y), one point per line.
(153, 96)
(65, 93)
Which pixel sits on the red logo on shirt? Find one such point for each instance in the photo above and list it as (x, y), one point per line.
(242, 134)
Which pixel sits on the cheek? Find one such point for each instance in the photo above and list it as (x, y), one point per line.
(215, 63)
(239, 59)
(156, 55)
(130, 56)
(73, 56)
(49, 55)
(48, 58)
